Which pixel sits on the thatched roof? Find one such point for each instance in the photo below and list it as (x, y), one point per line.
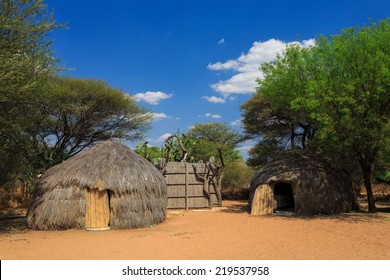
(136, 188)
(318, 185)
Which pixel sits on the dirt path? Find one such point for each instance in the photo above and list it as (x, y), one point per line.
(230, 233)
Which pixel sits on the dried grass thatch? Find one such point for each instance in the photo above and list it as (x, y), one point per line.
(317, 184)
(136, 189)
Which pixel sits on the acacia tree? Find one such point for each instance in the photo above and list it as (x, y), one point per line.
(75, 113)
(350, 94)
(210, 137)
(214, 139)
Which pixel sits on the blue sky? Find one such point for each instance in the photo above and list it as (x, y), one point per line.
(192, 61)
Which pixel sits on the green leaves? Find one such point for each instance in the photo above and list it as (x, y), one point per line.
(338, 92)
(277, 110)
(75, 113)
(26, 62)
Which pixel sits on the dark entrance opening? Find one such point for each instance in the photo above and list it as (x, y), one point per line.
(284, 196)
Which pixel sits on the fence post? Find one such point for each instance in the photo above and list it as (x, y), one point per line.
(186, 187)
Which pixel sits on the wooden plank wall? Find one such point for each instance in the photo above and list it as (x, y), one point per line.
(184, 191)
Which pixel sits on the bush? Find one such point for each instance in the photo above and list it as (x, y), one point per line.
(235, 183)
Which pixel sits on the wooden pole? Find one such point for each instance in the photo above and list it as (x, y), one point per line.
(186, 183)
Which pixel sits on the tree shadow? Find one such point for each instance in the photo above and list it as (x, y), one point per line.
(353, 217)
(240, 206)
(13, 224)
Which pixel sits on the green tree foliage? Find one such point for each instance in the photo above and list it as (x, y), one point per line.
(43, 118)
(75, 113)
(337, 95)
(215, 132)
(350, 94)
(269, 113)
(263, 151)
(152, 153)
(236, 178)
(25, 55)
(210, 137)
(26, 61)
(72, 115)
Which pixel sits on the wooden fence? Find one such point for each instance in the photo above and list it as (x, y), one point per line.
(184, 191)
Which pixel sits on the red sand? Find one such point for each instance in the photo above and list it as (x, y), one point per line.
(229, 233)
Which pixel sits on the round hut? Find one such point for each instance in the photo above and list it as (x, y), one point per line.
(107, 186)
(303, 182)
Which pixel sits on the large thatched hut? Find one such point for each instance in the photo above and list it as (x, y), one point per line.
(107, 186)
(302, 182)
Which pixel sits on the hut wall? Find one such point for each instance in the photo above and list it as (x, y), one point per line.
(58, 208)
(136, 210)
(184, 191)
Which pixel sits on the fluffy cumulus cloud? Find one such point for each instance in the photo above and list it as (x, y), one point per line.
(214, 99)
(159, 116)
(246, 67)
(152, 97)
(163, 137)
(214, 116)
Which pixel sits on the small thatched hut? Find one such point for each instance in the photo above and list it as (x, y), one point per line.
(303, 182)
(107, 186)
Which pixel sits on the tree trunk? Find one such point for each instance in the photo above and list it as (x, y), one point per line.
(370, 195)
(217, 183)
(367, 165)
(292, 143)
(207, 193)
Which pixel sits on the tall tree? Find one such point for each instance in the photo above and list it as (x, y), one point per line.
(350, 95)
(26, 61)
(339, 90)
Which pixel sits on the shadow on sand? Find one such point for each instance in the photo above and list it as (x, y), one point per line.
(13, 224)
(383, 209)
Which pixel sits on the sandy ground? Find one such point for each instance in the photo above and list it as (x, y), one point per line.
(225, 233)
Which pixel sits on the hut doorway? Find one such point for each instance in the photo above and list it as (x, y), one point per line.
(284, 196)
(98, 210)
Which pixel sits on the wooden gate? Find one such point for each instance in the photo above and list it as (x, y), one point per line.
(184, 191)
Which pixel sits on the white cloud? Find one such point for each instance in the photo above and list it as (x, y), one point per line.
(221, 42)
(242, 83)
(163, 137)
(159, 116)
(308, 43)
(152, 97)
(228, 65)
(214, 99)
(236, 122)
(214, 116)
(247, 66)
